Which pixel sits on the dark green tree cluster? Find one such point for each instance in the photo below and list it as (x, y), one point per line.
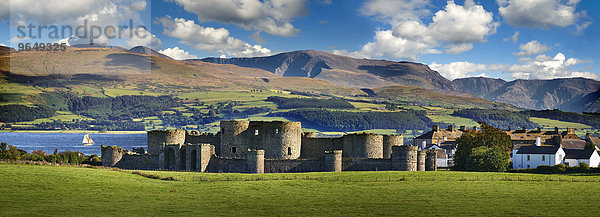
(18, 113)
(592, 119)
(292, 103)
(9, 152)
(484, 150)
(497, 118)
(327, 120)
(121, 107)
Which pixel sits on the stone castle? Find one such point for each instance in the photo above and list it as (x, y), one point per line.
(269, 147)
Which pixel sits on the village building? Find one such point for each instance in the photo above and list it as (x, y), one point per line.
(550, 155)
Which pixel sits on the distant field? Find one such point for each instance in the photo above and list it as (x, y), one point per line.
(73, 191)
(550, 124)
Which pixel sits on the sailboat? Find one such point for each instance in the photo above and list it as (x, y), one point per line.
(87, 140)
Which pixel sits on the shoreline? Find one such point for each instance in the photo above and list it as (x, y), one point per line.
(72, 131)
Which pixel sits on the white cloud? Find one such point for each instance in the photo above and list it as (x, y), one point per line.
(210, 39)
(75, 13)
(545, 67)
(456, 70)
(514, 37)
(455, 28)
(257, 38)
(178, 54)
(138, 6)
(532, 47)
(581, 27)
(1, 44)
(326, 2)
(145, 39)
(271, 16)
(538, 13)
(4, 10)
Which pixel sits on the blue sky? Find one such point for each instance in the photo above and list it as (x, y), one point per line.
(509, 39)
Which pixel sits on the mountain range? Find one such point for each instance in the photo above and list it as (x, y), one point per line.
(311, 72)
(567, 94)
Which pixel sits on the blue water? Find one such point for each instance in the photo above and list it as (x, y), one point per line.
(47, 142)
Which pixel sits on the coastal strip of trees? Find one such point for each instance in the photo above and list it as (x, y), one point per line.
(497, 118)
(293, 103)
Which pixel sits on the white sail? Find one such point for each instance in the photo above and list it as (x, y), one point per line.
(87, 140)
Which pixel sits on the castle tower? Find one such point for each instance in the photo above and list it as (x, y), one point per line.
(404, 158)
(156, 138)
(111, 155)
(255, 161)
(421, 160)
(431, 160)
(333, 161)
(279, 139)
(389, 141)
(363, 145)
(233, 139)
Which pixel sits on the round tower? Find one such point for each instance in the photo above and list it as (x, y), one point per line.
(233, 139)
(363, 145)
(333, 161)
(421, 160)
(279, 139)
(255, 161)
(389, 141)
(405, 157)
(158, 137)
(431, 160)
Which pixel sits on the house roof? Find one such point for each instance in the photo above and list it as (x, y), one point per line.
(450, 135)
(578, 153)
(573, 143)
(538, 150)
(595, 140)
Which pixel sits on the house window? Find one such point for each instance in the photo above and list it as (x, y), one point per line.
(276, 130)
(289, 150)
(233, 150)
(528, 158)
(256, 132)
(543, 157)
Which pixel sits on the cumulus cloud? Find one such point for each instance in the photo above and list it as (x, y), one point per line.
(209, 39)
(532, 47)
(271, 16)
(539, 13)
(178, 54)
(514, 37)
(546, 67)
(146, 39)
(101, 13)
(455, 28)
(456, 70)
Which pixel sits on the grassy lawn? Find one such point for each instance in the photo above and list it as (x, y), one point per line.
(58, 191)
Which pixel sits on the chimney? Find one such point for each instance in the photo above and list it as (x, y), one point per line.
(451, 128)
(539, 129)
(509, 129)
(436, 128)
(588, 136)
(524, 128)
(538, 141)
(570, 130)
(556, 130)
(463, 128)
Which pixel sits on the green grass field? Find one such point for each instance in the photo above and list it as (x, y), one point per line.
(30, 190)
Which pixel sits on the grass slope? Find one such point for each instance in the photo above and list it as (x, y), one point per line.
(58, 191)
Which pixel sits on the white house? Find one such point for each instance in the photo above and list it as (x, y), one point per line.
(575, 157)
(533, 156)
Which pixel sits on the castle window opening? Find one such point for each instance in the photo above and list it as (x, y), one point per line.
(233, 149)
(256, 132)
(276, 130)
(528, 157)
(289, 150)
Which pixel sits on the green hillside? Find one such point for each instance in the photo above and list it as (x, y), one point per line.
(30, 190)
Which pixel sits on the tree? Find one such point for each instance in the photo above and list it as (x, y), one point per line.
(484, 150)
(589, 145)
